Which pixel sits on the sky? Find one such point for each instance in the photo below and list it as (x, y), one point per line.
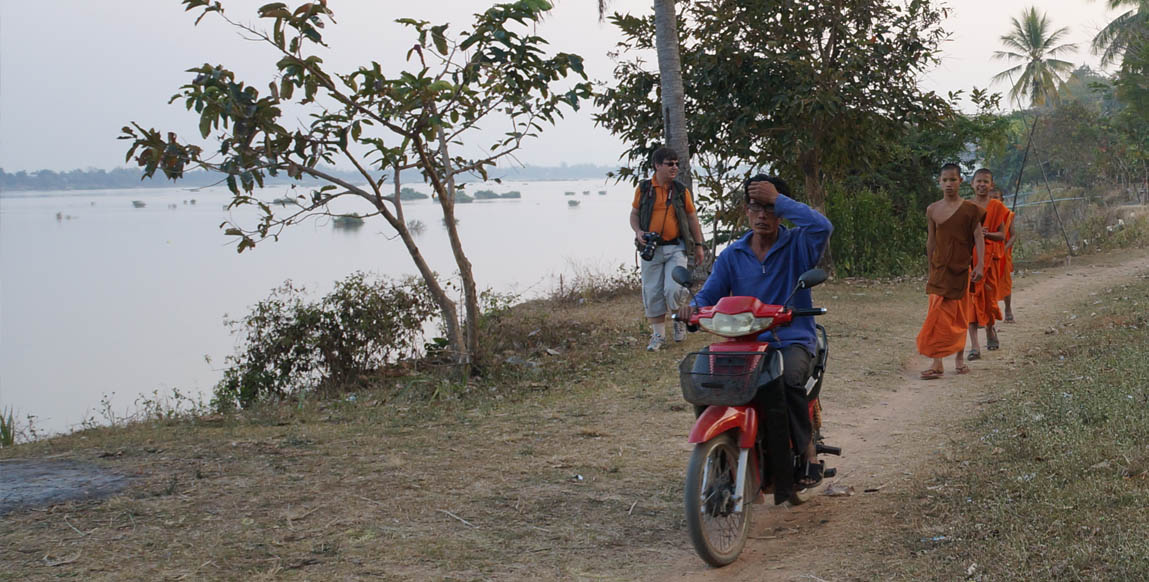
(73, 72)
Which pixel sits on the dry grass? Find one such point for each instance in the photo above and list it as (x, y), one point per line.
(575, 464)
(1054, 485)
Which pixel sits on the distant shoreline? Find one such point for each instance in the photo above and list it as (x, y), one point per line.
(130, 178)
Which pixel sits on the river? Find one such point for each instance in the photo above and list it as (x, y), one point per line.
(103, 303)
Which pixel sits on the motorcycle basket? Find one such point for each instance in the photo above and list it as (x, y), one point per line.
(720, 378)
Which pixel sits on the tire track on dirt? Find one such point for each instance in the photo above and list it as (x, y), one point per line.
(906, 423)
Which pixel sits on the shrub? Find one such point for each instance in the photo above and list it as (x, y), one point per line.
(588, 284)
(290, 345)
(872, 237)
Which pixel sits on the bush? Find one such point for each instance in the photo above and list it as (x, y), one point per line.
(291, 346)
(872, 237)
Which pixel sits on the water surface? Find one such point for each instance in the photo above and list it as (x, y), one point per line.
(101, 302)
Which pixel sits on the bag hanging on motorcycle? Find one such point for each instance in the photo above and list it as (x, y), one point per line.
(711, 378)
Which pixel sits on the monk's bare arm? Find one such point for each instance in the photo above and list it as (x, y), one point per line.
(997, 236)
(1012, 236)
(931, 242)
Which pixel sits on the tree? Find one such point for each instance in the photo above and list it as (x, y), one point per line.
(1032, 44)
(675, 130)
(1128, 29)
(1133, 90)
(809, 88)
(377, 123)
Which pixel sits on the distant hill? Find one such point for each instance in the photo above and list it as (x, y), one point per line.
(120, 178)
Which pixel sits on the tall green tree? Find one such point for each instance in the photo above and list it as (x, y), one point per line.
(378, 123)
(1034, 46)
(1133, 90)
(1128, 29)
(810, 88)
(675, 129)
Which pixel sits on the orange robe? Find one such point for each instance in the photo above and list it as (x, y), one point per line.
(944, 331)
(984, 310)
(1005, 265)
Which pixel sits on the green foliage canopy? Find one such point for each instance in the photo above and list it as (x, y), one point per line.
(812, 89)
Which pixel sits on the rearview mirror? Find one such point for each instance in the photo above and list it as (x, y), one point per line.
(681, 275)
(812, 278)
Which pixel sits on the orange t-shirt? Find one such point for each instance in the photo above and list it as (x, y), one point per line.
(662, 219)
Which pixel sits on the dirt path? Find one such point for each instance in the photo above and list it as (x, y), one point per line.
(899, 430)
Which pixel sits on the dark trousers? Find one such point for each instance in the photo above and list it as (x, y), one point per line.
(796, 363)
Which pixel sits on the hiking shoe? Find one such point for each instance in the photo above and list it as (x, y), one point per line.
(679, 331)
(656, 342)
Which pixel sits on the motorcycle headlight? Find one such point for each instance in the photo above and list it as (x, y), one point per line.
(736, 325)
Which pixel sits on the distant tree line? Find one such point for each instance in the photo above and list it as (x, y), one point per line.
(99, 179)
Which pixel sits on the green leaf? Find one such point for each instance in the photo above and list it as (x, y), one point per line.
(439, 38)
(270, 7)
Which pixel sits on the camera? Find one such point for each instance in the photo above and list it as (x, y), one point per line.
(650, 240)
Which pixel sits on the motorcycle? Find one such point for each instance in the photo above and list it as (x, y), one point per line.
(742, 443)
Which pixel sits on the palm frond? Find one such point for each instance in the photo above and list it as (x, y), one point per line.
(1006, 75)
(1006, 55)
(1034, 42)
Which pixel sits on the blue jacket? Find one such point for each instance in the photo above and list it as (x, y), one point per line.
(797, 250)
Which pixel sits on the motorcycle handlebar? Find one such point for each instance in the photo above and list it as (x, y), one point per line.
(809, 311)
(689, 326)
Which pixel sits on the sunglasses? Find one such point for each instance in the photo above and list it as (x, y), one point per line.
(672, 164)
(758, 208)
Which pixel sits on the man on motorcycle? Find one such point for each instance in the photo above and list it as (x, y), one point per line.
(766, 263)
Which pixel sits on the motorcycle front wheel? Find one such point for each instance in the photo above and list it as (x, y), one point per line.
(717, 532)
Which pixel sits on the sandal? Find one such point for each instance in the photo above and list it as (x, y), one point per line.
(809, 475)
(991, 343)
(931, 374)
(1009, 318)
(973, 355)
(962, 369)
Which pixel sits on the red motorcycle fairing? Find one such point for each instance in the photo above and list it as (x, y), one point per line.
(716, 420)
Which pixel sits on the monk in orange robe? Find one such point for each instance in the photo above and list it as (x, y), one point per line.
(1005, 272)
(954, 237)
(984, 310)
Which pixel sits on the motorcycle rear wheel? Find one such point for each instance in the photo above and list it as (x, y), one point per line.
(718, 533)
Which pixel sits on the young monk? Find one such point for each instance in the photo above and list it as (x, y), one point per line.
(984, 293)
(954, 237)
(1005, 265)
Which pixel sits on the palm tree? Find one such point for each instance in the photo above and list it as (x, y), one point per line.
(1032, 43)
(1128, 28)
(670, 81)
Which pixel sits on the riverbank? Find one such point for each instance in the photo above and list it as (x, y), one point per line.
(575, 471)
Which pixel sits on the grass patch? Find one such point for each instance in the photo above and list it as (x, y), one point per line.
(1051, 482)
(7, 429)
